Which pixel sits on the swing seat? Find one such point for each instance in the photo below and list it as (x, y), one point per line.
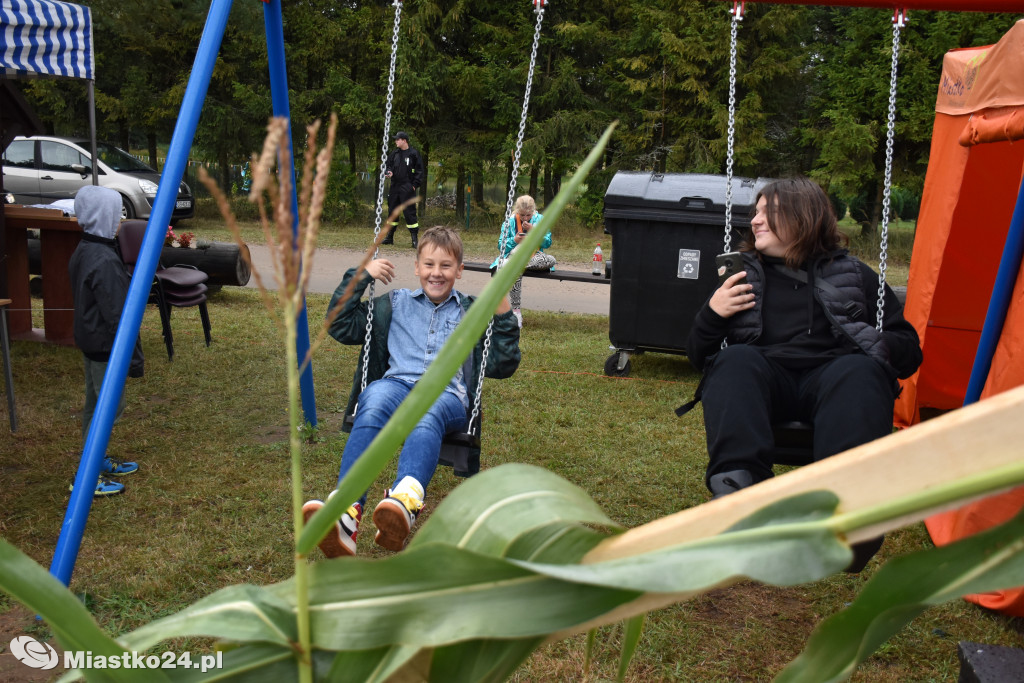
(794, 443)
(460, 450)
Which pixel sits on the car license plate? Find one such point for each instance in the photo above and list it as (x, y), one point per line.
(183, 204)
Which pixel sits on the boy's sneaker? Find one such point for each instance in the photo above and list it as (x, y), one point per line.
(104, 487)
(118, 468)
(518, 313)
(395, 515)
(340, 541)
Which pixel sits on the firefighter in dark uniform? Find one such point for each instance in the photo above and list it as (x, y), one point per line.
(405, 168)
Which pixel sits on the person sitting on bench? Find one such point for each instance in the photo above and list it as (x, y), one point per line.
(802, 343)
(409, 329)
(522, 220)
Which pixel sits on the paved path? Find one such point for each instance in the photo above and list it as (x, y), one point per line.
(329, 265)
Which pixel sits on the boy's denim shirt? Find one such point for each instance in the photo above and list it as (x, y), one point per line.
(418, 331)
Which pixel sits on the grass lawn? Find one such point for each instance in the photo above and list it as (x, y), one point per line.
(209, 506)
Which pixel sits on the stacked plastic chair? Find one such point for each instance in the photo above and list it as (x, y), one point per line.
(174, 287)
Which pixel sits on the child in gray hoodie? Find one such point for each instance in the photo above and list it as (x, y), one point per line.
(99, 284)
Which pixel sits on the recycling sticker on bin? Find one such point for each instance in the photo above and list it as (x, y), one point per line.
(689, 264)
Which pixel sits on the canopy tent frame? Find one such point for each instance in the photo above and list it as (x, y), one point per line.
(41, 41)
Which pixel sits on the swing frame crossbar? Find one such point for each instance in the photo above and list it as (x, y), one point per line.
(1009, 6)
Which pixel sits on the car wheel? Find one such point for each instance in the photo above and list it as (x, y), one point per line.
(127, 210)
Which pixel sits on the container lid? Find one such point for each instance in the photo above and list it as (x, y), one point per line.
(687, 192)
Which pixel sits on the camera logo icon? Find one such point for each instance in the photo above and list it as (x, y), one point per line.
(33, 653)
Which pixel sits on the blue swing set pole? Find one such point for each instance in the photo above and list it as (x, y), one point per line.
(77, 514)
(279, 95)
(999, 303)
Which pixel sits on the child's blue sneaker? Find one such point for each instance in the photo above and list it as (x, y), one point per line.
(118, 468)
(104, 487)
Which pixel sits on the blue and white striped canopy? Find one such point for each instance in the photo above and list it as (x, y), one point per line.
(45, 37)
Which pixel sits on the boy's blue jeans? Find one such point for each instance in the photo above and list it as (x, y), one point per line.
(422, 447)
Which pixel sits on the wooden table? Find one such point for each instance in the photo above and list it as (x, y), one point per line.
(58, 236)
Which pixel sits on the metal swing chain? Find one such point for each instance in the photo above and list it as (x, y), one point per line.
(737, 17)
(899, 20)
(738, 7)
(538, 8)
(380, 189)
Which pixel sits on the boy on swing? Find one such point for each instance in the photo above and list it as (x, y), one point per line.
(409, 328)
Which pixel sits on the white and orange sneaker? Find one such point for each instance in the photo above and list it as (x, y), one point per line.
(395, 515)
(341, 540)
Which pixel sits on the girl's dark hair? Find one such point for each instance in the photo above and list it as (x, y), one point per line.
(802, 211)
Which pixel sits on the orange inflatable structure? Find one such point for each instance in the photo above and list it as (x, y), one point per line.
(971, 188)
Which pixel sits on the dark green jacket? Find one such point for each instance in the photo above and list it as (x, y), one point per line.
(349, 327)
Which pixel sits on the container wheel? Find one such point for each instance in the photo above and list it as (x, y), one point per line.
(611, 366)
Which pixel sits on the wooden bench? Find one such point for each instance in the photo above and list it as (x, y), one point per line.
(557, 274)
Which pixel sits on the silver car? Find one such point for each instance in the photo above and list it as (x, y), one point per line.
(42, 169)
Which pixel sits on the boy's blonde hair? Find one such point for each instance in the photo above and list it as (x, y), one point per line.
(525, 203)
(444, 238)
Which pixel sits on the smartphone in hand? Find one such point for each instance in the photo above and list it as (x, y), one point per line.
(729, 264)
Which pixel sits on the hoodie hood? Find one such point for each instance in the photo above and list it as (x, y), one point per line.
(98, 210)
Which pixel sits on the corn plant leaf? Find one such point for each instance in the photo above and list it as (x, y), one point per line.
(435, 595)
(370, 666)
(792, 544)
(634, 628)
(250, 663)
(902, 589)
(455, 351)
(31, 585)
(490, 511)
(588, 655)
(481, 661)
(555, 543)
(242, 613)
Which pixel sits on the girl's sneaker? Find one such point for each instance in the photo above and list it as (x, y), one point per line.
(395, 515)
(340, 541)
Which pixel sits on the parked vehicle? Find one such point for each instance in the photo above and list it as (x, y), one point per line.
(42, 169)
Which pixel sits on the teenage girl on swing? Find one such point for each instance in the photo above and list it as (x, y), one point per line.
(799, 321)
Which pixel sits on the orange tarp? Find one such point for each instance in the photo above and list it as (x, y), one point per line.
(974, 175)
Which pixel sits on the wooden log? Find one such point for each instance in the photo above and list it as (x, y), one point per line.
(222, 261)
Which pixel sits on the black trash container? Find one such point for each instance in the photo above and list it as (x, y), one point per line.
(667, 229)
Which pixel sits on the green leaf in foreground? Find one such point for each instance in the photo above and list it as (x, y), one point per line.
(783, 544)
(634, 628)
(901, 590)
(30, 584)
(242, 613)
(490, 511)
